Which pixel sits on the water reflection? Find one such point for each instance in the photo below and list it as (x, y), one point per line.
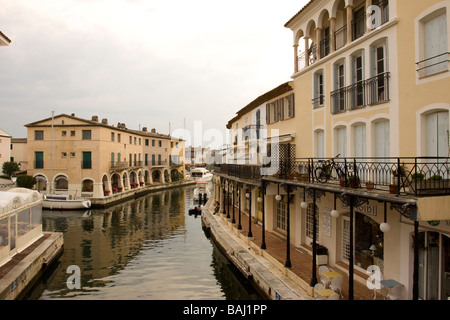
(147, 248)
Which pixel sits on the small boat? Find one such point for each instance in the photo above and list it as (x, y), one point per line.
(195, 211)
(64, 202)
(201, 190)
(201, 174)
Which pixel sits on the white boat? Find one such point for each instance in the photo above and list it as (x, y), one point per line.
(201, 174)
(64, 202)
(201, 189)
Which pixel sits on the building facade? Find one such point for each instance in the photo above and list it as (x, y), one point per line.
(72, 155)
(371, 107)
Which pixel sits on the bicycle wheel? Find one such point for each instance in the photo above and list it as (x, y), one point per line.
(322, 174)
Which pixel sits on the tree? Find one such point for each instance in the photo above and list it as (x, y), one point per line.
(24, 181)
(10, 167)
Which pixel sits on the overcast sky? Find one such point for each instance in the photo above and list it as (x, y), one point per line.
(146, 63)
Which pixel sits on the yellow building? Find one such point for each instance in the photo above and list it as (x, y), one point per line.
(370, 80)
(95, 159)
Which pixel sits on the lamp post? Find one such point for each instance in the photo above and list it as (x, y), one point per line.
(249, 197)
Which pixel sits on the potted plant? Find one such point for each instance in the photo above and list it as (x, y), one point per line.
(354, 181)
(321, 254)
(343, 183)
(370, 185)
(107, 192)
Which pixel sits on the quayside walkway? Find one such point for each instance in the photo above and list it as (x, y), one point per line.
(275, 253)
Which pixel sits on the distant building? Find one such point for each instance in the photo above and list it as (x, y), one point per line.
(5, 147)
(19, 152)
(72, 155)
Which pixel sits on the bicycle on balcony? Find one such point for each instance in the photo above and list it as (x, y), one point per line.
(328, 170)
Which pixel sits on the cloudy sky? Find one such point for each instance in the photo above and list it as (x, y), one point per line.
(146, 63)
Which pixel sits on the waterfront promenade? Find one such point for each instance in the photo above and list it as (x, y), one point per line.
(298, 277)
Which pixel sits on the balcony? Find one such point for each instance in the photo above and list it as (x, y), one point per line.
(407, 176)
(433, 65)
(360, 94)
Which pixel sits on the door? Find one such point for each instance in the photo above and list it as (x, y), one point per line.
(381, 82)
(382, 150)
(87, 160)
(341, 87)
(39, 160)
(360, 141)
(342, 142)
(320, 145)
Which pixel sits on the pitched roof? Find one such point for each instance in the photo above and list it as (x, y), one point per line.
(2, 35)
(281, 89)
(298, 13)
(96, 123)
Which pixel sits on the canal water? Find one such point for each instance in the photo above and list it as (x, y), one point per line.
(148, 248)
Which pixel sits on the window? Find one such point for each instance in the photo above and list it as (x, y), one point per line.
(281, 214)
(319, 144)
(147, 142)
(341, 141)
(159, 159)
(39, 160)
(437, 144)
(130, 159)
(64, 133)
(433, 43)
(118, 137)
(359, 140)
(436, 45)
(153, 160)
(135, 140)
(318, 89)
(38, 135)
(338, 95)
(64, 154)
(357, 89)
(112, 136)
(87, 135)
(72, 133)
(112, 159)
(72, 154)
(87, 160)
(159, 143)
(153, 143)
(146, 159)
(130, 140)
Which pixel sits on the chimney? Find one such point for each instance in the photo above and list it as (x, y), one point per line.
(144, 129)
(105, 121)
(95, 118)
(153, 130)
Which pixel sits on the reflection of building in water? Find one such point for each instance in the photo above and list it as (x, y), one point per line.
(111, 237)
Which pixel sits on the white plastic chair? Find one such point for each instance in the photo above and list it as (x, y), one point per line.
(336, 284)
(333, 297)
(319, 286)
(323, 279)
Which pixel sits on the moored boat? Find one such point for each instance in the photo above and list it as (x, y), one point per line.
(201, 174)
(64, 202)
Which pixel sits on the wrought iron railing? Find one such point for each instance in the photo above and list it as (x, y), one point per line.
(340, 37)
(433, 65)
(325, 46)
(416, 176)
(368, 92)
(358, 27)
(319, 101)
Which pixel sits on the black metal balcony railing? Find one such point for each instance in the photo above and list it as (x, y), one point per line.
(358, 27)
(340, 37)
(325, 46)
(319, 101)
(312, 54)
(433, 65)
(401, 176)
(368, 92)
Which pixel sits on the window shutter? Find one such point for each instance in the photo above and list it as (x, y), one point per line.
(291, 106)
(267, 113)
(275, 111)
(281, 106)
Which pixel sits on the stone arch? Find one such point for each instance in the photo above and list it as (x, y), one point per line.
(41, 184)
(156, 176)
(87, 185)
(61, 182)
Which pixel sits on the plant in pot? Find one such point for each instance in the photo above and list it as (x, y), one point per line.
(354, 181)
(321, 254)
(398, 174)
(370, 185)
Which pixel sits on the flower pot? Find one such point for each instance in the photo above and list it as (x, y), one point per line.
(370, 186)
(393, 189)
(342, 183)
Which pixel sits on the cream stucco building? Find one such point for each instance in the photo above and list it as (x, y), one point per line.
(92, 158)
(370, 80)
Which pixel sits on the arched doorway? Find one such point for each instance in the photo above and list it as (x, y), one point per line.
(156, 176)
(41, 184)
(61, 183)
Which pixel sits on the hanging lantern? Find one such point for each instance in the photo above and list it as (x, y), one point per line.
(259, 199)
(278, 197)
(385, 227)
(334, 213)
(304, 205)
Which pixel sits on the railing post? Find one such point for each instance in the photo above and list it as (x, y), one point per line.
(311, 170)
(345, 171)
(415, 175)
(355, 175)
(398, 176)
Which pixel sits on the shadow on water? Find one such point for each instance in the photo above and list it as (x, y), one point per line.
(148, 248)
